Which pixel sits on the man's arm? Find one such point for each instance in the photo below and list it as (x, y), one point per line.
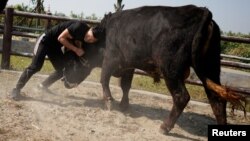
(64, 37)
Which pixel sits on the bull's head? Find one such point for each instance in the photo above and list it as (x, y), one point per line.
(74, 72)
(78, 68)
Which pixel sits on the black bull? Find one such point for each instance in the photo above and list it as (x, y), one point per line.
(163, 41)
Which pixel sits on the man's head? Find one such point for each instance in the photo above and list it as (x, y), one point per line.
(94, 34)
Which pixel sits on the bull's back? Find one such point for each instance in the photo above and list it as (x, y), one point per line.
(155, 17)
(146, 23)
(153, 30)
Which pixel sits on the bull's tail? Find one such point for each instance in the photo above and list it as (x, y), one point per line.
(206, 59)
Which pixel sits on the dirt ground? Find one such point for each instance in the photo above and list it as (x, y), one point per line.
(79, 115)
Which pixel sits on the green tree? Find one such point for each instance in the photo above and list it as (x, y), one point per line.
(59, 14)
(22, 7)
(118, 6)
(38, 6)
(92, 17)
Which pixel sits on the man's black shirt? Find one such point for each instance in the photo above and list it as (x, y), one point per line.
(77, 30)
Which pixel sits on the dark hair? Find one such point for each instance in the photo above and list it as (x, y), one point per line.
(98, 32)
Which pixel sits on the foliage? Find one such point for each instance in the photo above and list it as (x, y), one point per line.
(92, 17)
(237, 49)
(18, 63)
(22, 7)
(39, 8)
(118, 6)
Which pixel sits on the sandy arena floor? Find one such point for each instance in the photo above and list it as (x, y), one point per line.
(79, 115)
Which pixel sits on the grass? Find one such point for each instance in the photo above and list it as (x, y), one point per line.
(18, 63)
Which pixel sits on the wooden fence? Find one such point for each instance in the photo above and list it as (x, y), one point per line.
(8, 31)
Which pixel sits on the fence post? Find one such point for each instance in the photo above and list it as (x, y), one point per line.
(7, 37)
(48, 25)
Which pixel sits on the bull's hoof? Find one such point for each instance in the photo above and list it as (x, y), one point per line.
(109, 103)
(124, 106)
(15, 94)
(164, 129)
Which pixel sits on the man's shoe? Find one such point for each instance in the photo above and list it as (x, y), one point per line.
(15, 94)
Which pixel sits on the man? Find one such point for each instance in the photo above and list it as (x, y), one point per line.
(3, 4)
(50, 44)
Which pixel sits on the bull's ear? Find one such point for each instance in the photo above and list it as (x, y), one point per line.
(107, 15)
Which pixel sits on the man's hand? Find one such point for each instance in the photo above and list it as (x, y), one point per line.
(65, 39)
(79, 51)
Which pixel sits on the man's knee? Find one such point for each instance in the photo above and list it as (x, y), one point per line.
(33, 69)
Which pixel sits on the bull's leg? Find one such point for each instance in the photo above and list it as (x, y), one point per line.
(126, 81)
(218, 106)
(180, 99)
(107, 97)
(108, 67)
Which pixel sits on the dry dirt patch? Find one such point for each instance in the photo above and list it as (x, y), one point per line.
(79, 115)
